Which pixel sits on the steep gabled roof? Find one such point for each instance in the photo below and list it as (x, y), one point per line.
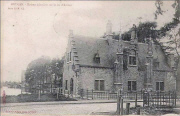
(87, 47)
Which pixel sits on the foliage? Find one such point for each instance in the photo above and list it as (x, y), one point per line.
(167, 27)
(144, 30)
(160, 11)
(43, 70)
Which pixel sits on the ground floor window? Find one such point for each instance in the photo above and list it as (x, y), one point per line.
(159, 86)
(131, 85)
(99, 85)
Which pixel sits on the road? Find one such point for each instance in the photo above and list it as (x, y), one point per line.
(61, 109)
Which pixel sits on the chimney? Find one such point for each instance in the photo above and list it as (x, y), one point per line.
(109, 28)
(133, 33)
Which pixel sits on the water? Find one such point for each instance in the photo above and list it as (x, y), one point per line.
(10, 91)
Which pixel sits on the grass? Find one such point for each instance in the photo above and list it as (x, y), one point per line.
(34, 98)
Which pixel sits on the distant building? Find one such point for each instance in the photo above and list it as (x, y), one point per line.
(109, 64)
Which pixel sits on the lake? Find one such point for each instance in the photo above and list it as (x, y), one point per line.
(10, 91)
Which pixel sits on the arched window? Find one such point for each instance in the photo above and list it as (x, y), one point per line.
(132, 57)
(125, 59)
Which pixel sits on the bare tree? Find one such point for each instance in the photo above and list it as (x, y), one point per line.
(172, 42)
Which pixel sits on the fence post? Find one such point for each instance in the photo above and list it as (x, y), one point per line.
(108, 94)
(39, 95)
(121, 106)
(87, 94)
(169, 98)
(92, 93)
(82, 93)
(136, 100)
(163, 99)
(143, 99)
(175, 98)
(160, 99)
(148, 98)
(68, 93)
(127, 108)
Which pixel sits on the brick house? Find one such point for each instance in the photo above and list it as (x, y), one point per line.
(106, 63)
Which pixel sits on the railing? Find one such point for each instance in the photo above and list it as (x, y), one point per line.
(161, 99)
(92, 94)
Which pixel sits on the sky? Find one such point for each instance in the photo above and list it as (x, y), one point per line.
(43, 30)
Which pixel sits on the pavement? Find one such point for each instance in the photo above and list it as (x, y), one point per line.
(177, 108)
(81, 107)
(58, 102)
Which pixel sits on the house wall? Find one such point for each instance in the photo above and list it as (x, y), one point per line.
(89, 75)
(167, 77)
(132, 74)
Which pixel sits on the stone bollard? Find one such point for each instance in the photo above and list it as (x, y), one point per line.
(138, 110)
(122, 106)
(118, 105)
(127, 108)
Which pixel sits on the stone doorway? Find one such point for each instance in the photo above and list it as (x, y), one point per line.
(71, 86)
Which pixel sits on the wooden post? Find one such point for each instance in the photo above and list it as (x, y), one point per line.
(92, 93)
(169, 98)
(143, 98)
(136, 100)
(68, 93)
(148, 98)
(157, 99)
(118, 105)
(39, 95)
(160, 99)
(127, 108)
(163, 99)
(108, 95)
(87, 94)
(121, 106)
(175, 98)
(57, 93)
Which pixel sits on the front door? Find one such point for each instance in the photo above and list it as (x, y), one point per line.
(71, 86)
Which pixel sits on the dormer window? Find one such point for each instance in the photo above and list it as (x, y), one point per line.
(97, 58)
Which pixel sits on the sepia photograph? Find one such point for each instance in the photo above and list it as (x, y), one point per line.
(90, 58)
